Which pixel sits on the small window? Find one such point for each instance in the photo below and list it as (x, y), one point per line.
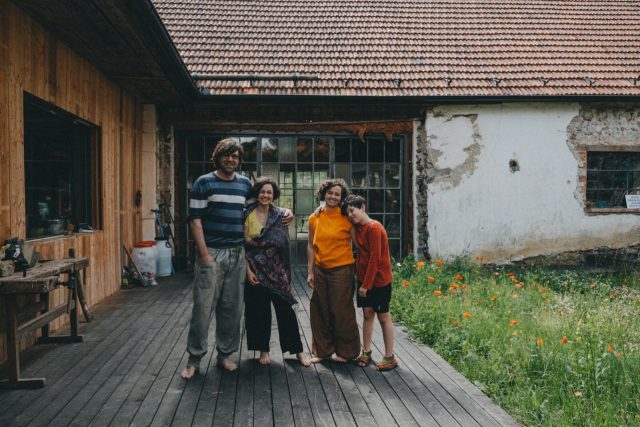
(610, 177)
(62, 170)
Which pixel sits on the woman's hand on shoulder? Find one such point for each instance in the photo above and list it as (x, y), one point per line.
(287, 216)
(318, 210)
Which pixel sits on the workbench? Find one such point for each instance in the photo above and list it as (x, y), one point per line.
(41, 279)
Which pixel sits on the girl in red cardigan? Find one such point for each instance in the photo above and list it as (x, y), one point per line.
(373, 270)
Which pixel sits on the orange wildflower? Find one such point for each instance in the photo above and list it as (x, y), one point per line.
(618, 355)
(464, 286)
(613, 294)
(439, 262)
(453, 285)
(458, 276)
(452, 290)
(610, 348)
(492, 297)
(514, 322)
(437, 293)
(432, 279)
(564, 340)
(420, 264)
(467, 314)
(539, 341)
(405, 283)
(593, 286)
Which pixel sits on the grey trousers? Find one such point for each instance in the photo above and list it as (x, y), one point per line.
(217, 288)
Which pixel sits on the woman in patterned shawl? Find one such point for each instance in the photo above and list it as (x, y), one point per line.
(269, 276)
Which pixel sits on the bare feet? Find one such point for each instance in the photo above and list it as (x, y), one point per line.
(316, 359)
(189, 372)
(264, 358)
(227, 364)
(339, 359)
(304, 360)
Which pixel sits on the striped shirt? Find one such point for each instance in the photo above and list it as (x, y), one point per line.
(219, 204)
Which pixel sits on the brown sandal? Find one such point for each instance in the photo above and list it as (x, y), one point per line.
(387, 364)
(364, 359)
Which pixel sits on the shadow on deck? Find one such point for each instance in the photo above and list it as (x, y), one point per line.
(127, 372)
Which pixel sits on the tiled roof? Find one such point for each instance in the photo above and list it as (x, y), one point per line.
(409, 47)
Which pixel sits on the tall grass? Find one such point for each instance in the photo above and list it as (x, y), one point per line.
(551, 348)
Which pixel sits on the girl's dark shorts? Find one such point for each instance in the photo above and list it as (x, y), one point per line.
(377, 298)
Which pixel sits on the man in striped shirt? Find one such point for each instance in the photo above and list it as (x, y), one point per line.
(216, 218)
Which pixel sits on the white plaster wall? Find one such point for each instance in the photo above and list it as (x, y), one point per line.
(481, 208)
(149, 174)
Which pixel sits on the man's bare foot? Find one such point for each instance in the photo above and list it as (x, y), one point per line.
(304, 360)
(227, 364)
(264, 358)
(339, 359)
(316, 359)
(189, 372)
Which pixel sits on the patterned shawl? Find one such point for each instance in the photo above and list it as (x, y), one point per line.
(268, 255)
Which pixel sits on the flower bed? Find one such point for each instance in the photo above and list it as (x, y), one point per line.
(551, 348)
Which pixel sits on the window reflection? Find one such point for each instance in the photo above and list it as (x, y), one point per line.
(269, 149)
(250, 147)
(305, 150)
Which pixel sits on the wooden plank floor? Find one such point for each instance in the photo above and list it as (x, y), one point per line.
(127, 372)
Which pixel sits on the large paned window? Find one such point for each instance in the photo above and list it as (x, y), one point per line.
(299, 163)
(610, 177)
(62, 170)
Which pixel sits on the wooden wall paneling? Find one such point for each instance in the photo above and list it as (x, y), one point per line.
(5, 153)
(33, 61)
(36, 66)
(5, 182)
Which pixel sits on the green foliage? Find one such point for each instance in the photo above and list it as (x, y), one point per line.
(552, 348)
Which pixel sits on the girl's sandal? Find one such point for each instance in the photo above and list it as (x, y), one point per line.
(364, 359)
(387, 364)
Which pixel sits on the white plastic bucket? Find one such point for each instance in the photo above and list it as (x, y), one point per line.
(144, 254)
(163, 259)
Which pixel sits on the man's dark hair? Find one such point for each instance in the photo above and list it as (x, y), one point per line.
(330, 183)
(261, 182)
(227, 147)
(354, 200)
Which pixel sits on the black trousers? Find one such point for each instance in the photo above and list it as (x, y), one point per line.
(258, 300)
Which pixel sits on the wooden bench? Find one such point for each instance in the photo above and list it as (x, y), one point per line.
(41, 279)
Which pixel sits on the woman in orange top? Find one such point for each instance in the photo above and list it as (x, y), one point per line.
(330, 269)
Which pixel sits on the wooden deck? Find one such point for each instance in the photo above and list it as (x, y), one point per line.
(127, 372)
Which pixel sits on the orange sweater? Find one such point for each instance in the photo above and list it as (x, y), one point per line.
(331, 239)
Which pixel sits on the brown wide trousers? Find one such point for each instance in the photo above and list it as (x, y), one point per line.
(333, 316)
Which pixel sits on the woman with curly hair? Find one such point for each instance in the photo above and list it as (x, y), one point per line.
(330, 275)
(269, 276)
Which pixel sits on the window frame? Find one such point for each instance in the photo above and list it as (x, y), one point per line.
(87, 167)
(583, 152)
